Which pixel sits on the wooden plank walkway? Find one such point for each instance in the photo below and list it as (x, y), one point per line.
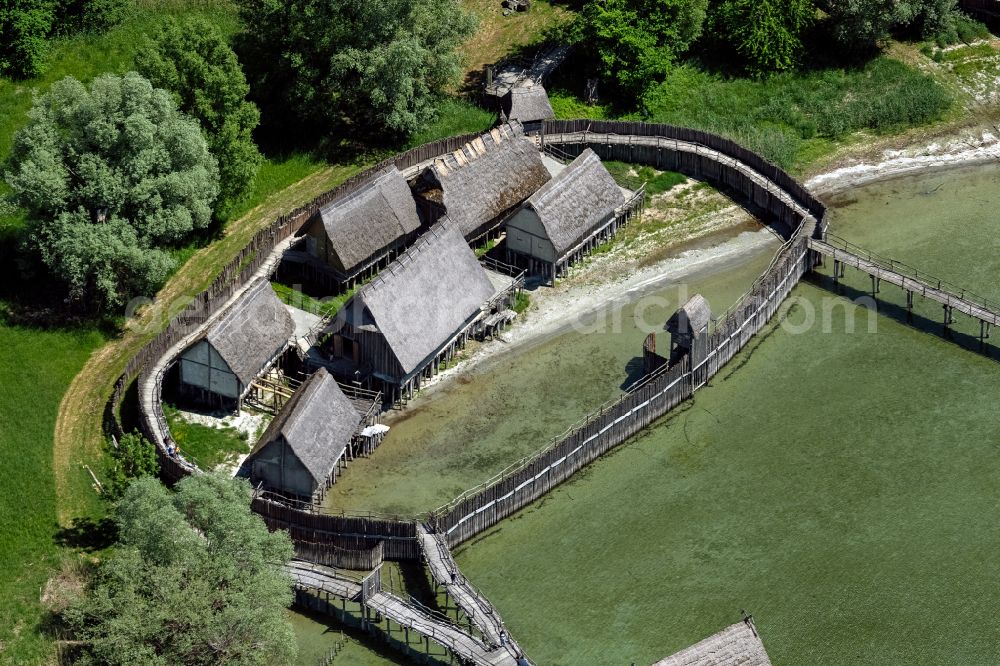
(893, 273)
(439, 629)
(473, 603)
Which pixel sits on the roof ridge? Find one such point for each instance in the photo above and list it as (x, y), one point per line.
(404, 258)
(366, 186)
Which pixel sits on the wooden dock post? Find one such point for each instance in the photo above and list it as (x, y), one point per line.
(948, 320)
(909, 305)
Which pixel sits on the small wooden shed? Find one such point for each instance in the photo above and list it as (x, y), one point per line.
(480, 183)
(416, 312)
(250, 335)
(570, 215)
(527, 104)
(688, 328)
(348, 238)
(300, 452)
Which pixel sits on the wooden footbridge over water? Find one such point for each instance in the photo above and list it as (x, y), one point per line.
(951, 297)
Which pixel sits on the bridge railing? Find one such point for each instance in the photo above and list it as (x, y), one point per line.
(956, 291)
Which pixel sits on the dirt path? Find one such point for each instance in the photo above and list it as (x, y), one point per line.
(78, 434)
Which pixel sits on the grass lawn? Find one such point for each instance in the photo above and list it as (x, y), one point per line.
(204, 445)
(36, 367)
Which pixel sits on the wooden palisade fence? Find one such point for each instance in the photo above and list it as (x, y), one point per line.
(701, 154)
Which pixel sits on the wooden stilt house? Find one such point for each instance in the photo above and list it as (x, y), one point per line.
(527, 104)
(300, 452)
(248, 338)
(565, 219)
(352, 237)
(479, 184)
(412, 317)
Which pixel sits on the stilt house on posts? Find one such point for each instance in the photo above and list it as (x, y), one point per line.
(688, 328)
(249, 338)
(413, 316)
(300, 452)
(529, 105)
(350, 238)
(564, 220)
(480, 183)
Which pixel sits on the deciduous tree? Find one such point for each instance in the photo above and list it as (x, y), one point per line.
(767, 34)
(195, 580)
(110, 175)
(192, 60)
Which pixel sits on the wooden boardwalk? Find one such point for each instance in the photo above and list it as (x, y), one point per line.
(473, 603)
(951, 298)
(409, 615)
(518, 72)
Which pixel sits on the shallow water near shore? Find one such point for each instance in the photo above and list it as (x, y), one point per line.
(470, 427)
(840, 486)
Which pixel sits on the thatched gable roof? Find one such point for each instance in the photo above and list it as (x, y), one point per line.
(369, 220)
(485, 178)
(251, 331)
(527, 104)
(737, 644)
(317, 423)
(695, 314)
(580, 198)
(424, 297)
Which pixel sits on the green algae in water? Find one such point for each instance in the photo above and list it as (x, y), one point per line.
(842, 487)
(466, 431)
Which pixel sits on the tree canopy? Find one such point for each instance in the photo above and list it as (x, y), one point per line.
(860, 25)
(109, 175)
(636, 41)
(26, 25)
(192, 59)
(131, 457)
(195, 580)
(353, 63)
(766, 34)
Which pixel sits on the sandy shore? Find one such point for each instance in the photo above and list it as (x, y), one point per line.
(624, 274)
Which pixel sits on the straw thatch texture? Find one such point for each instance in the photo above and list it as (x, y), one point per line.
(423, 299)
(487, 177)
(367, 223)
(527, 104)
(692, 317)
(252, 331)
(317, 425)
(737, 644)
(582, 197)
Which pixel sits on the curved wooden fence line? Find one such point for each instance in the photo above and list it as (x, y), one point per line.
(712, 157)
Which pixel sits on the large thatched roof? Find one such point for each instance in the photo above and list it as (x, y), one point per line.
(317, 423)
(424, 297)
(695, 314)
(527, 104)
(737, 644)
(370, 219)
(579, 199)
(251, 331)
(485, 178)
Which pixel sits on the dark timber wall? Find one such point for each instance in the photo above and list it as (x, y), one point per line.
(706, 156)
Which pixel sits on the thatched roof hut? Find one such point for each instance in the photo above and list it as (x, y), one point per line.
(299, 451)
(352, 232)
(565, 211)
(251, 333)
(478, 184)
(527, 104)
(417, 306)
(692, 318)
(737, 644)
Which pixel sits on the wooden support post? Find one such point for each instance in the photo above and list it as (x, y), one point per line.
(909, 305)
(948, 320)
(984, 333)
(836, 270)
(876, 282)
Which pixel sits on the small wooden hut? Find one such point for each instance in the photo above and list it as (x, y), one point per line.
(301, 450)
(479, 184)
(570, 215)
(527, 104)
(248, 338)
(350, 237)
(688, 328)
(402, 325)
